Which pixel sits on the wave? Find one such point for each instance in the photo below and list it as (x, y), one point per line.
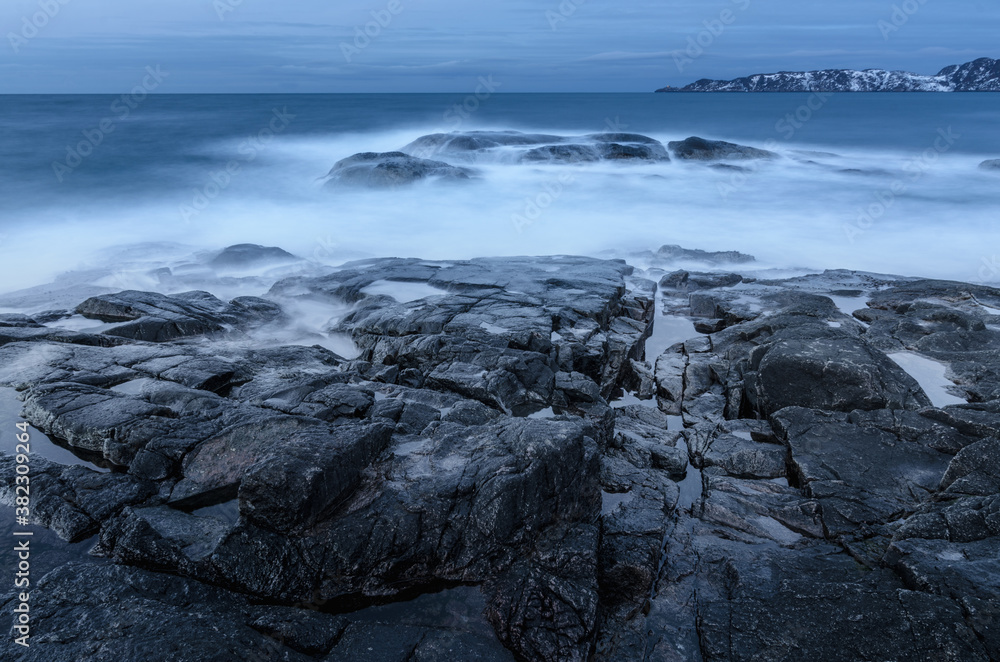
(815, 207)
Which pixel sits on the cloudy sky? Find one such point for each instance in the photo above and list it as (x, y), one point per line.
(84, 46)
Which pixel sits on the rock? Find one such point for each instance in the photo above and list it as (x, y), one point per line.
(250, 255)
(73, 500)
(993, 164)
(686, 281)
(312, 473)
(975, 471)
(513, 146)
(824, 448)
(473, 485)
(833, 373)
(160, 318)
(560, 580)
(391, 169)
(736, 452)
(84, 611)
(89, 418)
(699, 149)
(677, 253)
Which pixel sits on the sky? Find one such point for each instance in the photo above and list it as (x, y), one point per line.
(105, 46)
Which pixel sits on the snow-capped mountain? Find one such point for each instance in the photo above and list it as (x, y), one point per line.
(982, 75)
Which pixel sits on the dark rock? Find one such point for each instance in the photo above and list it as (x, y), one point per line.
(160, 318)
(105, 613)
(892, 479)
(832, 373)
(687, 281)
(250, 255)
(73, 500)
(699, 149)
(677, 253)
(993, 164)
(513, 146)
(464, 484)
(391, 169)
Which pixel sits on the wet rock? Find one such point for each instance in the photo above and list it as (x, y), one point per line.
(513, 146)
(830, 373)
(557, 584)
(413, 476)
(159, 318)
(687, 281)
(975, 471)
(105, 612)
(390, 170)
(250, 255)
(677, 253)
(737, 453)
(311, 473)
(88, 417)
(699, 149)
(73, 500)
(825, 449)
(992, 164)
(858, 622)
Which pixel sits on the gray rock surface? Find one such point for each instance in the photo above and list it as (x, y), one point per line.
(517, 147)
(699, 149)
(390, 170)
(506, 471)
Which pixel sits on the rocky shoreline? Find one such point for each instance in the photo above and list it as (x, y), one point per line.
(665, 456)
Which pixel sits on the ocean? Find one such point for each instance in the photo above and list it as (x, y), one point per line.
(878, 182)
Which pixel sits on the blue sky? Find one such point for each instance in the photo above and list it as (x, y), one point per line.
(446, 45)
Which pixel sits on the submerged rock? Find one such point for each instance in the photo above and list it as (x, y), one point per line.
(992, 164)
(250, 255)
(516, 147)
(699, 149)
(390, 170)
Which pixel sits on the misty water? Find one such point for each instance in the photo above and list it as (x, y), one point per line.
(878, 182)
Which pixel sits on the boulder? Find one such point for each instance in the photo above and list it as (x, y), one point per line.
(699, 149)
(391, 170)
